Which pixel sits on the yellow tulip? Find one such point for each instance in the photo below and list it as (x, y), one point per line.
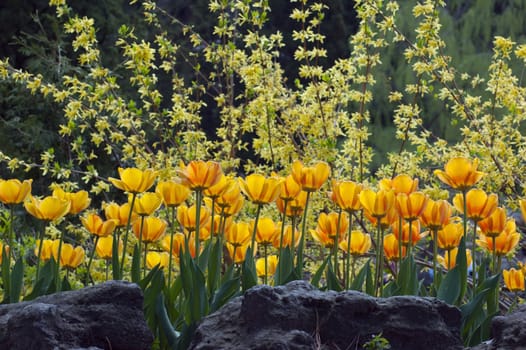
(152, 228)
(79, 200)
(146, 203)
(50, 208)
(259, 189)
(505, 242)
(346, 195)
(513, 279)
(377, 203)
(460, 173)
(266, 231)
(289, 188)
(199, 175)
(215, 190)
(479, 205)
(240, 252)
(134, 180)
(2, 248)
(522, 204)
(436, 214)
(416, 235)
(173, 193)
(385, 221)
(95, 225)
(272, 264)
(13, 191)
(399, 184)
(70, 257)
(230, 195)
(157, 258)
(494, 224)
(295, 206)
(119, 213)
(239, 234)
(411, 206)
(187, 216)
(104, 247)
(391, 248)
(449, 236)
(360, 243)
(447, 264)
(178, 246)
(47, 249)
(287, 237)
(310, 178)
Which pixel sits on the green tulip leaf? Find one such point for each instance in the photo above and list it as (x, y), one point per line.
(315, 281)
(449, 290)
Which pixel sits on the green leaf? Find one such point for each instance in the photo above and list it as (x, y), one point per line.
(249, 276)
(462, 264)
(136, 265)
(5, 276)
(166, 326)
(449, 290)
(407, 278)
(226, 291)
(285, 266)
(17, 281)
(358, 282)
(214, 267)
(44, 284)
(315, 281)
(332, 280)
(202, 259)
(115, 259)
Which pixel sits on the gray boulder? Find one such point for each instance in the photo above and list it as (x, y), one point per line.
(297, 316)
(105, 316)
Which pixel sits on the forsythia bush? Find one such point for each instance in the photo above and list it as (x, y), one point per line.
(195, 233)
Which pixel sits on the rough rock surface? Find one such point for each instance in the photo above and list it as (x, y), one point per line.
(105, 316)
(297, 316)
(508, 332)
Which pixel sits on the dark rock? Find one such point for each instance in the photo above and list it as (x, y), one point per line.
(298, 316)
(105, 316)
(508, 332)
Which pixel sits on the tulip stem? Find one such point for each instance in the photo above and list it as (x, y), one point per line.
(494, 255)
(400, 241)
(91, 259)
(302, 238)
(254, 230)
(140, 238)
(348, 256)
(284, 217)
(172, 232)
(435, 254)
(197, 220)
(10, 234)
(125, 243)
(336, 240)
(379, 257)
(57, 269)
(40, 244)
(474, 270)
(144, 262)
(265, 281)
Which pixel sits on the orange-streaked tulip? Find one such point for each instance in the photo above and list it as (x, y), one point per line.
(95, 225)
(70, 257)
(522, 204)
(479, 204)
(460, 173)
(152, 228)
(513, 279)
(449, 236)
(47, 249)
(119, 213)
(79, 200)
(146, 203)
(444, 260)
(215, 190)
(157, 258)
(346, 195)
(385, 221)
(49, 209)
(377, 203)
(239, 251)
(272, 264)
(399, 184)
(199, 175)
(2, 248)
(287, 237)
(239, 234)
(173, 193)
(360, 243)
(13, 191)
(295, 206)
(436, 214)
(217, 221)
(411, 206)
(289, 188)
(310, 178)
(328, 224)
(391, 248)
(187, 216)
(104, 247)
(260, 189)
(178, 246)
(134, 180)
(505, 242)
(494, 224)
(416, 235)
(266, 230)
(230, 194)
